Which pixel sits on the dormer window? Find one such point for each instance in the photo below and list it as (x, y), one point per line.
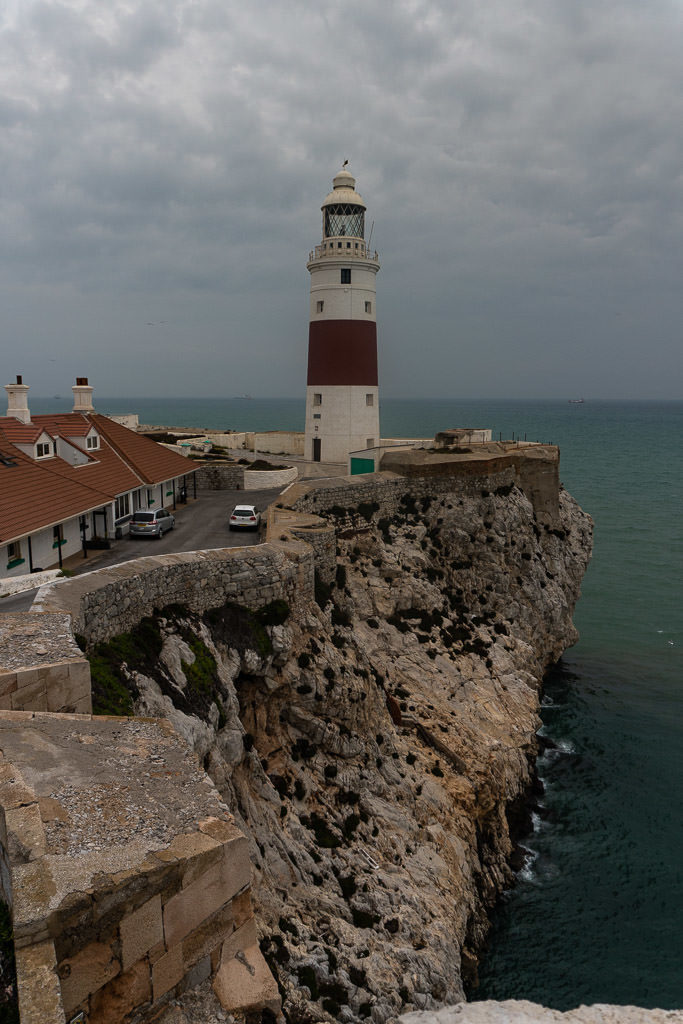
(92, 442)
(44, 450)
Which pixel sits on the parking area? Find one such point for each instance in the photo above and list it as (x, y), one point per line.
(199, 525)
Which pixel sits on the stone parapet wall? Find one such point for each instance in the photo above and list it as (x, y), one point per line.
(386, 492)
(535, 470)
(111, 601)
(286, 525)
(535, 467)
(120, 902)
(229, 476)
(17, 584)
(41, 666)
(260, 479)
(222, 476)
(62, 686)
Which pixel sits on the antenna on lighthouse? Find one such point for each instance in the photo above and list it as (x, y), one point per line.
(372, 228)
(345, 163)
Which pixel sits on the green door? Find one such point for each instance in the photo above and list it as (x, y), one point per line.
(362, 466)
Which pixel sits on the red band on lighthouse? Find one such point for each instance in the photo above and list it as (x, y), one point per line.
(342, 352)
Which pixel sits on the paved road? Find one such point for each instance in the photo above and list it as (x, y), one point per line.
(199, 525)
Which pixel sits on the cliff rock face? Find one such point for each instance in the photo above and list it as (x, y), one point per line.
(374, 748)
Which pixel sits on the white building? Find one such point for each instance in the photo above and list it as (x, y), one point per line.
(342, 396)
(71, 479)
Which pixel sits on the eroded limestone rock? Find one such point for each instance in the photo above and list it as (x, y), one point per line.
(372, 747)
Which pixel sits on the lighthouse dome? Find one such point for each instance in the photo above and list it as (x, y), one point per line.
(344, 190)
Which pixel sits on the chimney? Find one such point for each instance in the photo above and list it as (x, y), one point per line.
(17, 401)
(82, 395)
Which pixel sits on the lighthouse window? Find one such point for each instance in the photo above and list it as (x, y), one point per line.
(343, 219)
(317, 399)
(346, 275)
(348, 245)
(368, 307)
(370, 399)
(319, 306)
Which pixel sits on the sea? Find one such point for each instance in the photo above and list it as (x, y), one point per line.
(596, 915)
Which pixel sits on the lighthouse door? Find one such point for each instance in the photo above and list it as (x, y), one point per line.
(316, 449)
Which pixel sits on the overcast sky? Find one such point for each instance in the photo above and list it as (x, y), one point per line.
(164, 161)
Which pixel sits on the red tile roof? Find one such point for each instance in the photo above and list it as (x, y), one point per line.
(151, 461)
(35, 495)
(73, 424)
(38, 494)
(20, 433)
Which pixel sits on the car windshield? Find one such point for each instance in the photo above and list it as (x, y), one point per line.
(144, 517)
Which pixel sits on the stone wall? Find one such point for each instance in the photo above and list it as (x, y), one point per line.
(62, 686)
(387, 492)
(278, 442)
(259, 479)
(286, 525)
(119, 901)
(41, 666)
(535, 469)
(230, 476)
(425, 474)
(19, 583)
(221, 476)
(110, 601)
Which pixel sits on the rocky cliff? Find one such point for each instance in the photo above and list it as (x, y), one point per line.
(376, 746)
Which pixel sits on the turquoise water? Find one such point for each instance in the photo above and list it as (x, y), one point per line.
(597, 914)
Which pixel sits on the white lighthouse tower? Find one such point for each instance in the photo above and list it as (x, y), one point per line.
(342, 397)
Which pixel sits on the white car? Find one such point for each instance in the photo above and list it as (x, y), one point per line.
(245, 517)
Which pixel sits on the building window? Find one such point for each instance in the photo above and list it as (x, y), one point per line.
(150, 497)
(43, 450)
(122, 506)
(368, 307)
(14, 555)
(92, 442)
(319, 306)
(370, 399)
(346, 275)
(317, 399)
(57, 536)
(316, 415)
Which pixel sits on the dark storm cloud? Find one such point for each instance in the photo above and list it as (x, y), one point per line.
(167, 160)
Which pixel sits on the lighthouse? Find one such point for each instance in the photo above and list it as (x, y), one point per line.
(342, 397)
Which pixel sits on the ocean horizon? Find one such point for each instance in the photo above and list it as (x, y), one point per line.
(596, 915)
